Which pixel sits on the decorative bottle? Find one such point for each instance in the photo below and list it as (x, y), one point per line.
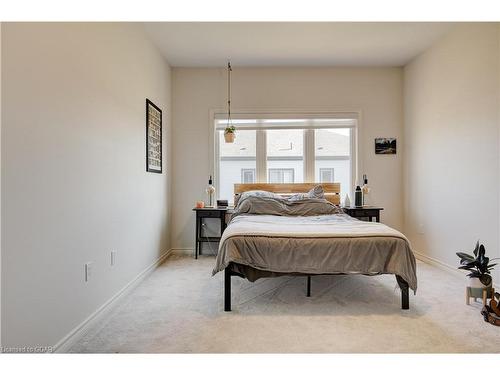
(366, 191)
(210, 192)
(358, 197)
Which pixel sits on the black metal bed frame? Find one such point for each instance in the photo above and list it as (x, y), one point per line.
(403, 285)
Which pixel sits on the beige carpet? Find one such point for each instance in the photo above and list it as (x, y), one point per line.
(178, 309)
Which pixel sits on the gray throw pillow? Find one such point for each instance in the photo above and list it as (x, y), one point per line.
(256, 193)
(316, 192)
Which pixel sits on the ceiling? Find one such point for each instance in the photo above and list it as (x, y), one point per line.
(211, 44)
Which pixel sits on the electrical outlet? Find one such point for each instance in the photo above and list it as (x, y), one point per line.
(113, 257)
(88, 271)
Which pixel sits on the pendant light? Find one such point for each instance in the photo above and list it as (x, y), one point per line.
(229, 134)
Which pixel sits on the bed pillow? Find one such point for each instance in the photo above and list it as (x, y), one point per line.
(264, 204)
(316, 192)
(256, 193)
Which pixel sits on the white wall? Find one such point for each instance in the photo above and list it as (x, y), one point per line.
(376, 92)
(74, 185)
(0, 184)
(451, 144)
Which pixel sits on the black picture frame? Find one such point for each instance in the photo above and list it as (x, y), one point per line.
(385, 146)
(154, 140)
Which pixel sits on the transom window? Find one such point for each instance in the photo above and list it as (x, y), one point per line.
(285, 150)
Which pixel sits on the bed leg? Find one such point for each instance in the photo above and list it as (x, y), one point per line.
(227, 289)
(405, 295)
(309, 286)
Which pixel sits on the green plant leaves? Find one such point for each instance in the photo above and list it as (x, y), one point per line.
(465, 256)
(485, 279)
(476, 248)
(478, 265)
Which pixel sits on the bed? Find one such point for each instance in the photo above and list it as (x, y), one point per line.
(277, 230)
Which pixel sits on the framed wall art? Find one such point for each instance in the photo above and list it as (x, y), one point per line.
(385, 146)
(153, 138)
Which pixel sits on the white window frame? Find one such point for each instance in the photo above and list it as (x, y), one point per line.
(309, 149)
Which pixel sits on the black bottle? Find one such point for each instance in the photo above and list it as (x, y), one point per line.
(358, 197)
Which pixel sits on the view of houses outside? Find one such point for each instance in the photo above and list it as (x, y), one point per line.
(237, 162)
(333, 157)
(284, 158)
(285, 155)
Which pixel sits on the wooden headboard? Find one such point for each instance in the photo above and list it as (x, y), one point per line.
(331, 189)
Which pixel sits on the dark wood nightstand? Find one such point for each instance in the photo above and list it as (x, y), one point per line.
(368, 212)
(209, 212)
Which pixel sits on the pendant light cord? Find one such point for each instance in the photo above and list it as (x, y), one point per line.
(229, 70)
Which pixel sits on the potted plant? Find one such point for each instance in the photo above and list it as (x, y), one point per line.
(229, 133)
(479, 268)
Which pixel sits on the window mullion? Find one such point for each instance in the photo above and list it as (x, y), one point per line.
(216, 171)
(261, 156)
(353, 159)
(309, 155)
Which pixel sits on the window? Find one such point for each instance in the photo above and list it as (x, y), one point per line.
(332, 151)
(326, 175)
(237, 162)
(281, 175)
(285, 150)
(247, 176)
(285, 155)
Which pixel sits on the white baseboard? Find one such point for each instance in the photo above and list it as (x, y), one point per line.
(190, 252)
(445, 267)
(77, 333)
(183, 251)
(437, 263)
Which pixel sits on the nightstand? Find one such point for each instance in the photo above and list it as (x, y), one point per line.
(368, 212)
(204, 213)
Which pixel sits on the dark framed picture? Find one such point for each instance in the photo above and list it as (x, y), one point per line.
(386, 146)
(153, 138)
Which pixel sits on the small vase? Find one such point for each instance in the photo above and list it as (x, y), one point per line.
(229, 137)
(347, 201)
